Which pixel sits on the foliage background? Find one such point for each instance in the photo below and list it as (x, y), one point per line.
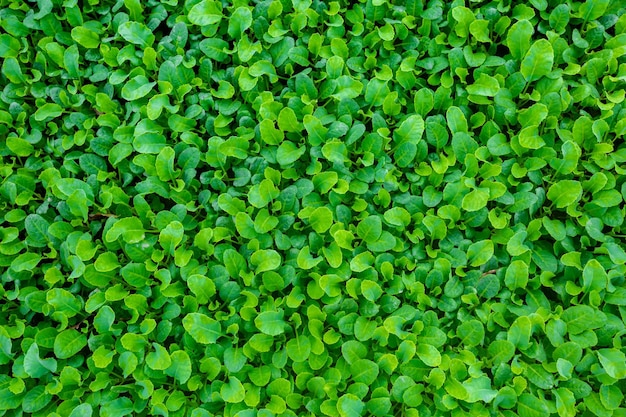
(297, 207)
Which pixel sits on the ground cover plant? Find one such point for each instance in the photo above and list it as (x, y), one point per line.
(310, 208)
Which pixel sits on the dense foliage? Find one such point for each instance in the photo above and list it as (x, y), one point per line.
(297, 207)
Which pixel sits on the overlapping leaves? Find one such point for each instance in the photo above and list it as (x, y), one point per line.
(303, 207)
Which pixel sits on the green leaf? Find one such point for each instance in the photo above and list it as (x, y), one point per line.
(171, 236)
(287, 120)
(119, 407)
(397, 216)
(224, 90)
(539, 376)
(36, 399)
(37, 230)
(346, 86)
(614, 362)
(375, 92)
(207, 12)
(202, 287)
(321, 219)
(64, 302)
(538, 61)
(271, 322)
(371, 290)
(202, 328)
(9, 46)
(350, 405)
(364, 371)
(410, 130)
(456, 389)
(595, 277)
(234, 359)
(370, 229)
(611, 396)
(305, 260)
(518, 38)
(429, 354)
(464, 17)
(457, 122)
(475, 199)
(165, 164)
(580, 318)
(565, 402)
(233, 391)
(471, 333)
(334, 66)
(230, 204)
(36, 367)
(85, 37)
(235, 263)
(180, 124)
(69, 343)
(515, 246)
(362, 262)
(479, 389)
(265, 260)
(317, 132)
(593, 9)
(516, 276)
(137, 88)
(19, 146)
(485, 85)
(269, 133)
(263, 67)
(565, 193)
(379, 406)
(106, 262)
(134, 8)
(239, 21)
(299, 349)
(405, 154)
(501, 351)
(214, 48)
(480, 30)
(129, 228)
(353, 350)
(25, 262)
(335, 151)
(559, 17)
(261, 195)
(479, 253)
(288, 153)
(569, 351)
(159, 359)
(529, 138)
(530, 406)
(48, 111)
(70, 61)
(12, 70)
(82, 410)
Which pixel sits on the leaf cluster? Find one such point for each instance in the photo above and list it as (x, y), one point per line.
(299, 207)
